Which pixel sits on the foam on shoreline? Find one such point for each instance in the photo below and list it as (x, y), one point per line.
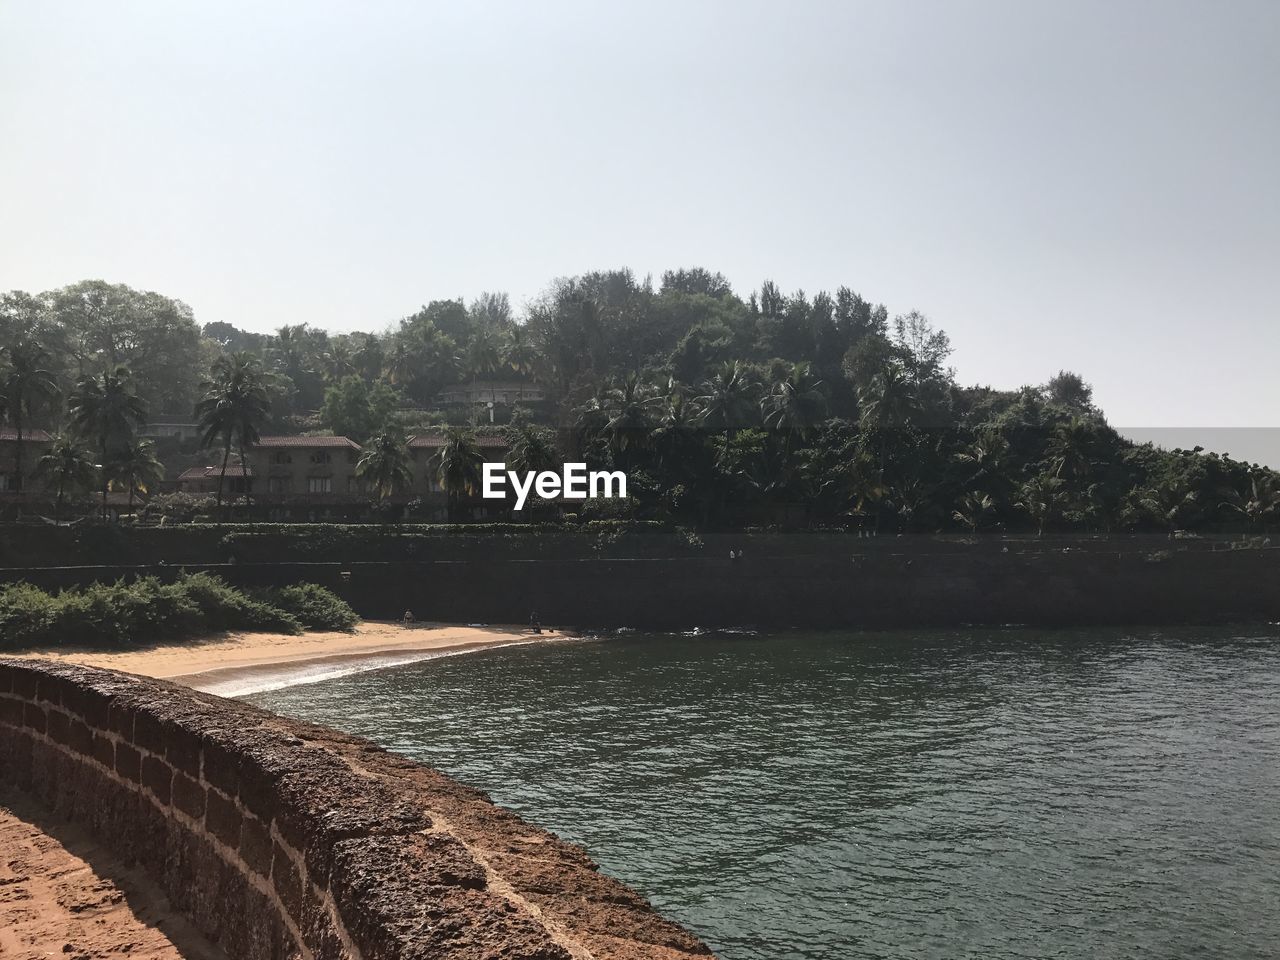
(260, 678)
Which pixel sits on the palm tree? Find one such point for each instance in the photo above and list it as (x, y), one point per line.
(106, 409)
(985, 456)
(134, 466)
(370, 357)
(627, 405)
(25, 382)
(532, 450)
(339, 361)
(234, 406)
(1169, 501)
(483, 360)
(384, 464)
(972, 508)
(1041, 498)
(459, 466)
(676, 437)
(1068, 449)
(889, 401)
(519, 354)
(796, 404)
(1259, 501)
(727, 400)
(66, 466)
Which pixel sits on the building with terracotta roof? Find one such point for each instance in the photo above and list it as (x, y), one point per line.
(425, 448)
(205, 480)
(297, 468)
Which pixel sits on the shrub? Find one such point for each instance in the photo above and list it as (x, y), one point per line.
(314, 606)
(147, 611)
(226, 608)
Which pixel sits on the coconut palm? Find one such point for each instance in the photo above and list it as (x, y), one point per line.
(796, 403)
(1068, 449)
(628, 406)
(727, 400)
(889, 401)
(370, 357)
(532, 450)
(677, 438)
(134, 466)
(519, 354)
(458, 466)
(339, 361)
(25, 381)
(1041, 498)
(67, 466)
(1258, 502)
(985, 458)
(105, 409)
(384, 464)
(483, 359)
(972, 508)
(234, 406)
(1169, 502)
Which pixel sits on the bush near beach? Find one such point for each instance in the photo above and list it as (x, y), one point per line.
(146, 610)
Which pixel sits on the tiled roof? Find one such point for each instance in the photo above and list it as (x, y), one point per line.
(437, 440)
(35, 436)
(212, 473)
(307, 442)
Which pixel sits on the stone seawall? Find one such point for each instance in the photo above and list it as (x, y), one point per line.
(846, 585)
(281, 839)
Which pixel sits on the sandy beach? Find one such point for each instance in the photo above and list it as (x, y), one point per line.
(233, 664)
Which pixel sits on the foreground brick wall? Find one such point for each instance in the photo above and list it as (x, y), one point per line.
(282, 839)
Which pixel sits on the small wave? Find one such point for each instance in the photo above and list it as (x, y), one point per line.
(246, 681)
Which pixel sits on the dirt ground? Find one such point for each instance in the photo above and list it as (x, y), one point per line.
(63, 895)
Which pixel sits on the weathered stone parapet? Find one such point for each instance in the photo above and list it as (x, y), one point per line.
(282, 839)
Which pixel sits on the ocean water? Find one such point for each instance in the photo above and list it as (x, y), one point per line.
(995, 794)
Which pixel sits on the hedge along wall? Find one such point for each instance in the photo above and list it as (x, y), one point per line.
(282, 839)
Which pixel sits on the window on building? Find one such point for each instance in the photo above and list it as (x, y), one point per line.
(321, 456)
(278, 485)
(319, 484)
(6, 482)
(281, 458)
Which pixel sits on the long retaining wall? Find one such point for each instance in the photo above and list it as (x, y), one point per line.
(897, 585)
(282, 839)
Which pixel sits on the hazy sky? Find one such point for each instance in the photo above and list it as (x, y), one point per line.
(1067, 184)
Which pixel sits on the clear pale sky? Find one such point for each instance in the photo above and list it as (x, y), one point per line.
(1069, 184)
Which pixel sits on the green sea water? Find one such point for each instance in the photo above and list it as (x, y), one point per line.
(996, 794)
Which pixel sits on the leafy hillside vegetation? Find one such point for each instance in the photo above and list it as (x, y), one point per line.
(148, 611)
(819, 410)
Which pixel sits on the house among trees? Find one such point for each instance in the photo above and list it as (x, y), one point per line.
(303, 467)
(164, 426)
(35, 444)
(490, 391)
(204, 480)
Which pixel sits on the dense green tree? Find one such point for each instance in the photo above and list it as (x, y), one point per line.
(153, 335)
(353, 408)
